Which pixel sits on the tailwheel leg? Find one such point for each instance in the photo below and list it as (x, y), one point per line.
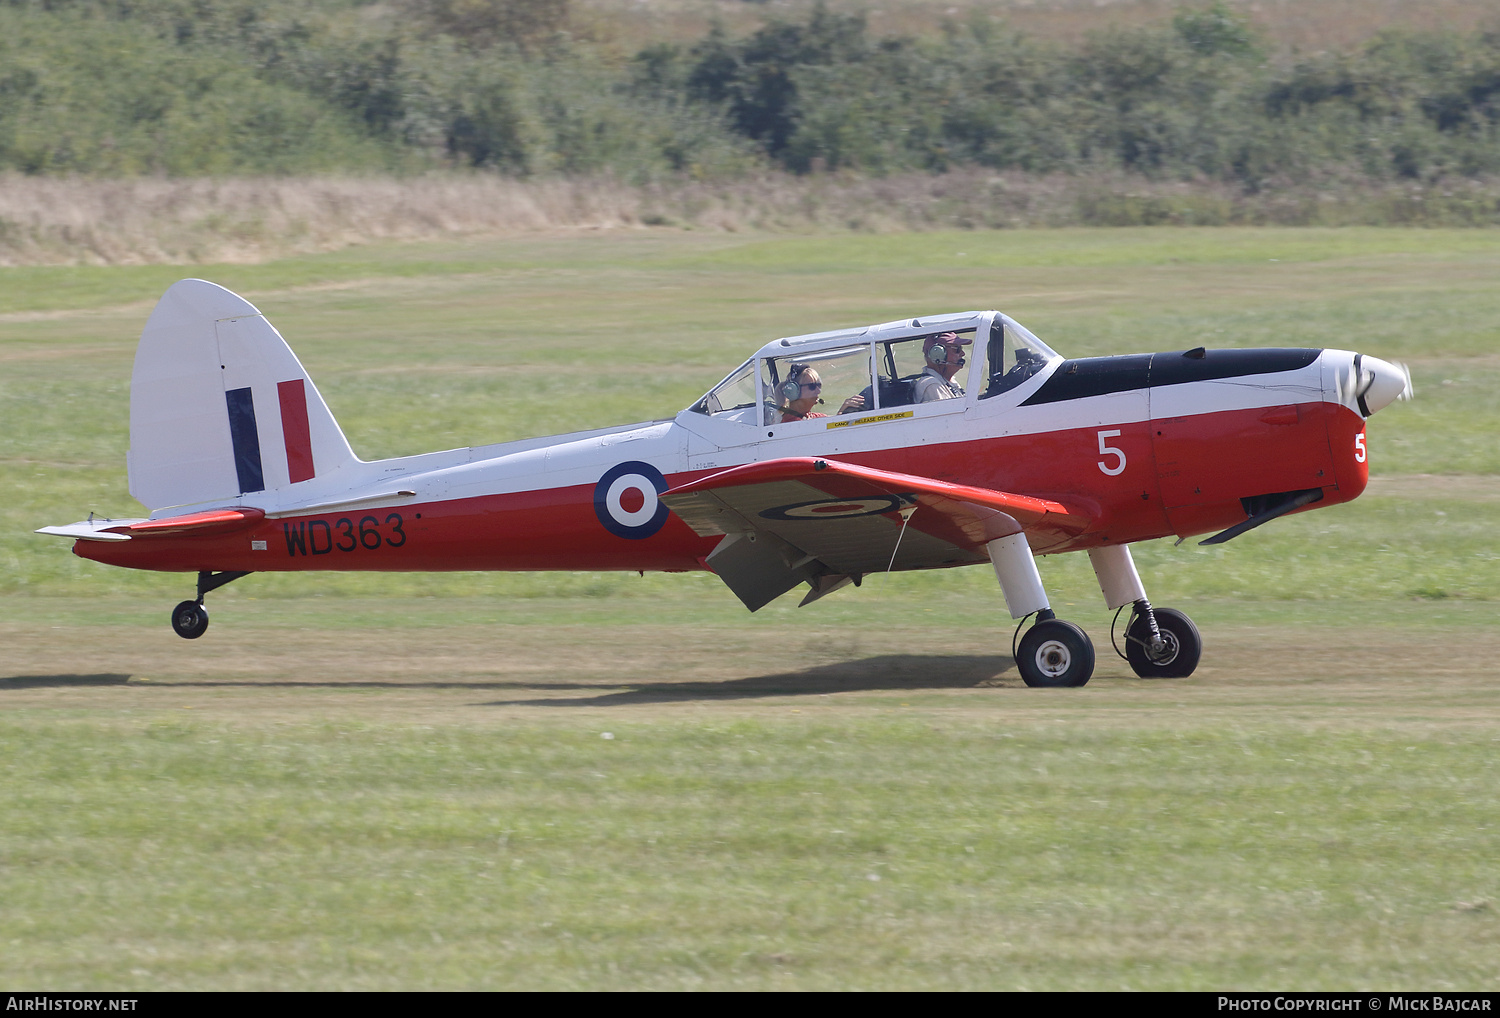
(1053, 652)
(190, 618)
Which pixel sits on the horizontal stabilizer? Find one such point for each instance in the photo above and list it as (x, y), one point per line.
(212, 522)
(215, 521)
(91, 530)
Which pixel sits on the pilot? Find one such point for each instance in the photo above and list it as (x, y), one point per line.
(802, 389)
(945, 355)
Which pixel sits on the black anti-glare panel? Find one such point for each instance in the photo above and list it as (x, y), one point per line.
(1094, 376)
(1175, 368)
(1099, 376)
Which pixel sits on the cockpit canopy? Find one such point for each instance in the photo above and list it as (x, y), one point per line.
(879, 364)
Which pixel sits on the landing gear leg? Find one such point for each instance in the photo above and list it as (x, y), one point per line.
(1160, 643)
(190, 618)
(1053, 652)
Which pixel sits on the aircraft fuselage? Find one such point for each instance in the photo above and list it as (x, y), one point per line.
(1152, 445)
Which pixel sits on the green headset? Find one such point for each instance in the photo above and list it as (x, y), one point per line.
(938, 356)
(791, 388)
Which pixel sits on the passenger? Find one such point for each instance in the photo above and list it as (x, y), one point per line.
(944, 356)
(802, 389)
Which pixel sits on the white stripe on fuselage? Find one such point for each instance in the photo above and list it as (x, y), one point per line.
(580, 461)
(581, 458)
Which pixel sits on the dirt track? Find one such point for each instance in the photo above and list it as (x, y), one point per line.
(467, 675)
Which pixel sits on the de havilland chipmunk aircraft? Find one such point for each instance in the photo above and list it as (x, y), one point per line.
(951, 440)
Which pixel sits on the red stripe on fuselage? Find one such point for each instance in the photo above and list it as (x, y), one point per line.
(295, 431)
(558, 528)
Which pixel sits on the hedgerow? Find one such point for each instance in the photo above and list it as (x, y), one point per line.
(225, 87)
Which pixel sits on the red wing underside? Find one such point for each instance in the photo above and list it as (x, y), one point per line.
(790, 520)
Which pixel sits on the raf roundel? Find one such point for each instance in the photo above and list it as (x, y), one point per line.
(830, 508)
(626, 501)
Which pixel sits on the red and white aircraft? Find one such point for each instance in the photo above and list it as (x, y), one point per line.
(968, 440)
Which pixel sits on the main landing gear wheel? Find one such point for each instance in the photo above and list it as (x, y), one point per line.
(189, 620)
(1181, 645)
(1055, 653)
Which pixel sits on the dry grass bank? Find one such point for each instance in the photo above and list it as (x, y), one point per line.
(152, 220)
(52, 220)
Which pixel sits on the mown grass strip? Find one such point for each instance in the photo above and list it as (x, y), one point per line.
(174, 854)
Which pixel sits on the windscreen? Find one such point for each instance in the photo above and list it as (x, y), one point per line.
(1014, 356)
(733, 398)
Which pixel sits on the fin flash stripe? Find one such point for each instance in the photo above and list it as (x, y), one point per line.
(295, 431)
(246, 438)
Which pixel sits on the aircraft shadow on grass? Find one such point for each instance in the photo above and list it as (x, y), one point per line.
(60, 681)
(886, 672)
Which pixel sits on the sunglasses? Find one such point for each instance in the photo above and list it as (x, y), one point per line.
(812, 385)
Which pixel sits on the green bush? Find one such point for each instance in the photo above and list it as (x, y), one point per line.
(80, 93)
(254, 86)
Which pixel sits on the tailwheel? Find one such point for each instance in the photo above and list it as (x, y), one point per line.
(1055, 653)
(1174, 656)
(189, 620)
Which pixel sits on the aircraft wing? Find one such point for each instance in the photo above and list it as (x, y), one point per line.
(828, 523)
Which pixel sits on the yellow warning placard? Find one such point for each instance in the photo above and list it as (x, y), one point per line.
(877, 419)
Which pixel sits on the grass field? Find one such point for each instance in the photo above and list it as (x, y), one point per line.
(597, 780)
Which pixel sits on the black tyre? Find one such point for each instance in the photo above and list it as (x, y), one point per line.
(1055, 653)
(1177, 659)
(189, 620)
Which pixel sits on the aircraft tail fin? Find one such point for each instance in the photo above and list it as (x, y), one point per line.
(221, 410)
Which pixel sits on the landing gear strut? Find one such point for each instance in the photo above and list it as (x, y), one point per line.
(1161, 643)
(1053, 652)
(190, 618)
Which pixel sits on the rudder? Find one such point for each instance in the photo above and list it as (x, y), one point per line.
(221, 410)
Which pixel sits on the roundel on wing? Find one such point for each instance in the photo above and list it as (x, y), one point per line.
(625, 500)
(834, 508)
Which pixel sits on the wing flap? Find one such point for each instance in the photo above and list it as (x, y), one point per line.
(759, 568)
